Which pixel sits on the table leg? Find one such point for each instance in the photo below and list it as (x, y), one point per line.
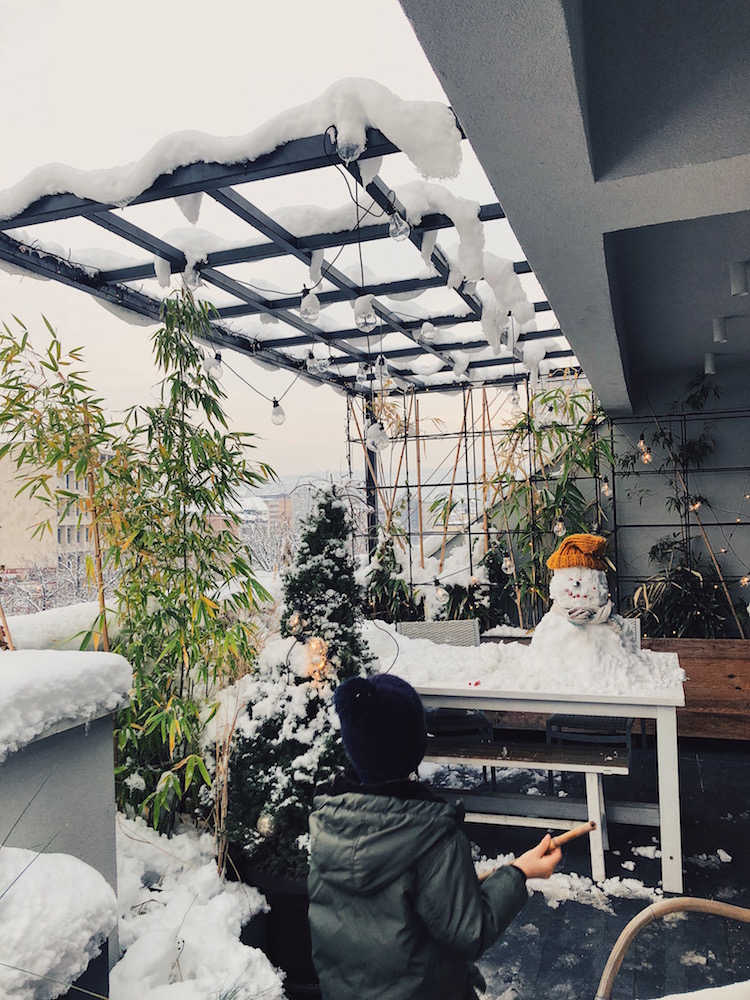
(669, 799)
(595, 813)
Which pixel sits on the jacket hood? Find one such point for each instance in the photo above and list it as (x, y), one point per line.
(367, 841)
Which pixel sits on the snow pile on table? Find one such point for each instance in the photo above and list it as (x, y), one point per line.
(57, 628)
(180, 923)
(514, 666)
(41, 688)
(56, 913)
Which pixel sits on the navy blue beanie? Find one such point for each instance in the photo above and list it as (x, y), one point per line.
(382, 726)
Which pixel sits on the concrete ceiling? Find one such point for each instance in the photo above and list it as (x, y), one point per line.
(616, 134)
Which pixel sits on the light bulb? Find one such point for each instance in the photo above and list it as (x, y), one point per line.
(647, 458)
(266, 825)
(277, 414)
(363, 373)
(514, 398)
(507, 565)
(377, 436)
(427, 333)
(744, 581)
(695, 505)
(398, 228)
(212, 365)
(606, 488)
(364, 315)
(558, 528)
(324, 364)
(641, 444)
(312, 364)
(441, 593)
(309, 307)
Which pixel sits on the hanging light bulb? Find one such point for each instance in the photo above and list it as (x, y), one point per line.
(647, 458)
(212, 365)
(558, 528)
(363, 373)
(324, 364)
(440, 592)
(507, 565)
(641, 444)
(309, 307)
(398, 228)
(427, 333)
(744, 581)
(277, 414)
(695, 505)
(365, 318)
(606, 488)
(514, 398)
(377, 438)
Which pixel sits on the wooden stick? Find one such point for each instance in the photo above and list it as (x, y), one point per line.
(564, 838)
(577, 831)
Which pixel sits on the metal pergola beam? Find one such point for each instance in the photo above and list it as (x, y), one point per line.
(345, 347)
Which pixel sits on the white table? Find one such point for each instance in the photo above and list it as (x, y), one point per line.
(658, 705)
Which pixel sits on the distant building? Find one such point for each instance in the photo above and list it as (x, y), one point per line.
(67, 537)
(279, 512)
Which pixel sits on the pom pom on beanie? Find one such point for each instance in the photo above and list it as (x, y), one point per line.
(579, 550)
(382, 727)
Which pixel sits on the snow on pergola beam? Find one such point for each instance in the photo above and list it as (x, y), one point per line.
(414, 363)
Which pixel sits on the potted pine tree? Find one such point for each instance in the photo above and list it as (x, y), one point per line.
(286, 742)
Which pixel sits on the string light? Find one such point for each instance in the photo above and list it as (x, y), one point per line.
(363, 373)
(377, 436)
(744, 581)
(398, 228)
(277, 413)
(428, 332)
(558, 528)
(606, 488)
(309, 307)
(514, 398)
(642, 447)
(365, 318)
(647, 458)
(507, 565)
(212, 365)
(695, 505)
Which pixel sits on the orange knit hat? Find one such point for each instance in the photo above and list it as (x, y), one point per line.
(579, 550)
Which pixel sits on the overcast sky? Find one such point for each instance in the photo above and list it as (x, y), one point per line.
(95, 85)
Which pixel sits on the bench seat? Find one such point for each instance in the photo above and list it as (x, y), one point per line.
(537, 811)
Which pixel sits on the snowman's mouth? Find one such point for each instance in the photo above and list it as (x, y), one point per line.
(576, 594)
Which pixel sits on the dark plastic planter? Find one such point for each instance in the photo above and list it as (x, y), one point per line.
(284, 932)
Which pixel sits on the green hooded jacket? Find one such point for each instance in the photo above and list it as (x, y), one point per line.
(396, 910)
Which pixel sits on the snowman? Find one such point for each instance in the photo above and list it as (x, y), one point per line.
(578, 588)
(580, 644)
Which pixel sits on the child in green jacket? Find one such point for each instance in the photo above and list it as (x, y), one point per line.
(396, 909)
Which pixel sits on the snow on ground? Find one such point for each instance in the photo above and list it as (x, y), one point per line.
(56, 912)
(737, 991)
(180, 924)
(41, 688)
(588, 667)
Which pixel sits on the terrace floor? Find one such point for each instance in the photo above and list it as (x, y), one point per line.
(559, 953)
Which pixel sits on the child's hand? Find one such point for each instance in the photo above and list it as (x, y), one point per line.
(541, 860)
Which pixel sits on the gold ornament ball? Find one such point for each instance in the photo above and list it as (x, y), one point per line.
(265, 825)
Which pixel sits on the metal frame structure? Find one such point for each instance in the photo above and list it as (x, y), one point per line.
(350, 357)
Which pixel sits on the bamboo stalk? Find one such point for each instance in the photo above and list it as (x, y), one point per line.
(6, 630)
(99, 569)
(389, 517)
(419, 486)
(453, 483)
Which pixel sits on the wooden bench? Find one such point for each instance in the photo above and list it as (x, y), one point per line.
(498, 808)
(717, 688)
